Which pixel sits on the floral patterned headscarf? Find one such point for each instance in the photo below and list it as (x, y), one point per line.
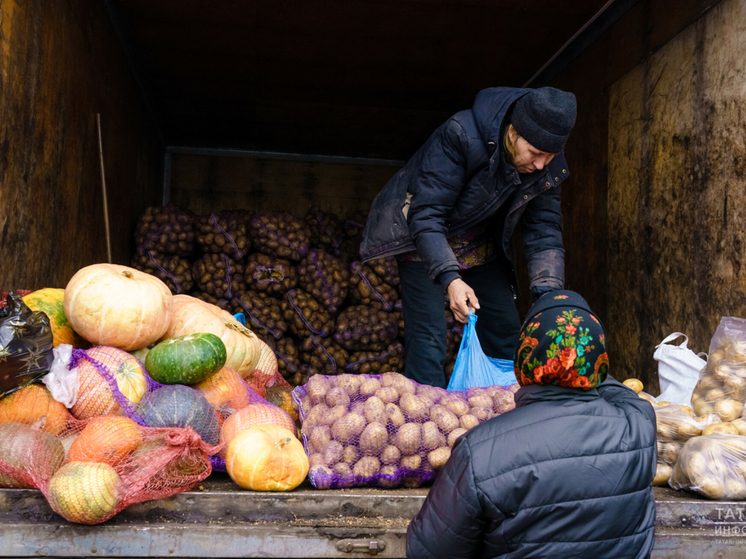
(562, 343)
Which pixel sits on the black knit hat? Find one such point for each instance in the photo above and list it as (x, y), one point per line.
(545, 117)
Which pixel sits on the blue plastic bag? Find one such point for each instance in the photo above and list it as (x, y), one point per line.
(241, 317)
(474, 369)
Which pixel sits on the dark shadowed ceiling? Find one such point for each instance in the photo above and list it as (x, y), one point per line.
(338, 77)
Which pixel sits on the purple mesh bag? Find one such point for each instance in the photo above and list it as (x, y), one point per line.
(323, 355)
(386, 430)
(326, 228)
(220, 276)
(375, 362)
(263, 313)
(366, 328)
(305, 315)
(326, 278)
(173, 270)
(367, 287)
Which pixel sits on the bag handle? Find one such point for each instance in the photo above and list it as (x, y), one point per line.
(672, 337)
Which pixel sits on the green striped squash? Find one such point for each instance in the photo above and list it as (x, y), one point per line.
(186, 360)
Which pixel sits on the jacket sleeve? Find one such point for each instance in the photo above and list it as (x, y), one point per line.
(436, 187)
(619, 395)
(451, 523)
(541, 227)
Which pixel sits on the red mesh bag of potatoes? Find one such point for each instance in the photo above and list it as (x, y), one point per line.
(93, 469)
(386, 430)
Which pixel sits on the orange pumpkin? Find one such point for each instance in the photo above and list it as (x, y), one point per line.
(95, 396)
(255, 414)
(118, 306)
(226, 391)
(266, 458)
(192, 316)
(107, 440)
(32, 403)
(49, 301)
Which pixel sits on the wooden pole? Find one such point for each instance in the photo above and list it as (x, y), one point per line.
(103, 187)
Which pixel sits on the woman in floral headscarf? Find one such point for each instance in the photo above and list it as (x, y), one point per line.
(568, 473)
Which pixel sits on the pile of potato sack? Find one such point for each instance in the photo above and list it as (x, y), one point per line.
(702, 448)
(299, 283)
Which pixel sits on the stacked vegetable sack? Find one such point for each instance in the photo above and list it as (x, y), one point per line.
(702, 448)
(299, 283)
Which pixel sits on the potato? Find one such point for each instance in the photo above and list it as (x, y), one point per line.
(373, 439)
(369, 387)
(315, 459)
(348, 427)
(316, 388)
(714, 395)
(394, 415)
(503, 401)
(435, 394)
(374, 410)
(388, 394)
(444, 418)
(468, 421)
(332, 452)
(634, 384)
(662, 474)
(431, 436)
(320, 435)
(388, 477)
(689, 411)
(404, 386)
(344, 471)
(735, 489)
(722, 372)
(367, 466)
(728, 410)
(389, 379)
(697, 466)
(351, 454)
(358, 407)
(337, 412)
(720, 428)
(322, 477)
(480, 401)
(408, 438)
(482, 414)
(669, 453)
(735, 388)
(456, 405)
(712, 488)
(706, 384)
(426, 401)
(701, 407)
(390, 455)
(455, 434)
(337, 396)
(316, 416)
(305, 405)
(740, 424)
(412, 462)
(350, 384)
(413, 408)
(438, 457)
(687, 430)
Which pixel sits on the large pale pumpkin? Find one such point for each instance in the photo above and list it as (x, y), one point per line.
(118, 306)
(192, 316)
(95, 396)
(266, 458)
(49, 301)
(250, 416)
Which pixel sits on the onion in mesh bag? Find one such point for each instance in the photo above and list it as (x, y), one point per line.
(280, 234)
(305, 316)
(223, 233)
(220, 276)
(273, 276)
(325, 277)
(165, 229)
(263, 313)
(173, 270)
(364, 328)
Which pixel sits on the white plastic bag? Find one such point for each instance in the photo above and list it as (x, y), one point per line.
(678, 370)
(62, 381)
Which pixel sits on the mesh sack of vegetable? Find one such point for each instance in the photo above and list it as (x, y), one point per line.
(223, 303)
(364, 328)
(675, 425)
(366, 287)
(325, 227)
(713, 466)
(173, 270)
(220, 276)
(325, 278)
(288, 359)
(323, 355)
(273, 276)
(280, 234)
(165, 229)
(375, 362)
(385, 430)
(263, 313)
(223, 233)
(305, 315)
(387, 269)
(95, 468)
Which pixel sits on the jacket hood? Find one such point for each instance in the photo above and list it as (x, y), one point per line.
(490, 108)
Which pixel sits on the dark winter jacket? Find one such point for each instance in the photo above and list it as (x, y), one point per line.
(566, 474)
(459, 178)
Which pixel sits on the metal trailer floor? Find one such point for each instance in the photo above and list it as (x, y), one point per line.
(221, 520)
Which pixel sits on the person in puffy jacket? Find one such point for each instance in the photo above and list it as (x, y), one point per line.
(450, 213)
(568, 473)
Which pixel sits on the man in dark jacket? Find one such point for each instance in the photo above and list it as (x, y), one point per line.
(450, 213)
(567, 474)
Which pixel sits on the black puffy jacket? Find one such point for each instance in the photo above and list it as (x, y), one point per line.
(459, 178)
(567, 474)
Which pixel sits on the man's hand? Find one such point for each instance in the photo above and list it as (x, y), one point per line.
(462, 299)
